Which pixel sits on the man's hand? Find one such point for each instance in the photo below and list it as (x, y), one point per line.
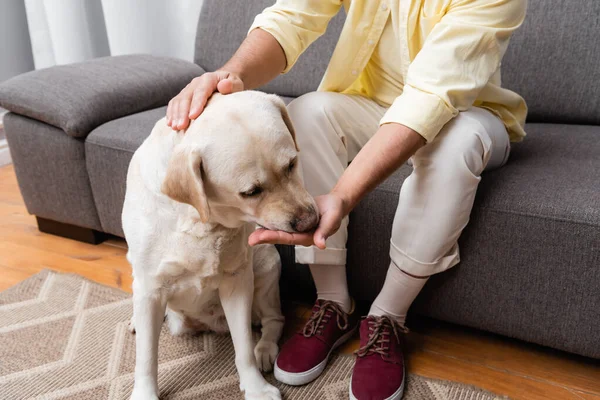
(190, 102)
(332, 210)
(259, 59)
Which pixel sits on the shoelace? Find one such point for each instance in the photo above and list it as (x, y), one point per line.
(379, 336)
(320, 318)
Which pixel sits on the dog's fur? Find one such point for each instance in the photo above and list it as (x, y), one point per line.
(192, 200)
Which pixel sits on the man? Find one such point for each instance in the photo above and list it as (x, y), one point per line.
(416, 79)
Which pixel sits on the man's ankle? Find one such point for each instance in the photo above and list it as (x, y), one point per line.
(331, 284)
(345, 302)
(375, 311)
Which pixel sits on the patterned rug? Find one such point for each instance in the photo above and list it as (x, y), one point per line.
(64, 337)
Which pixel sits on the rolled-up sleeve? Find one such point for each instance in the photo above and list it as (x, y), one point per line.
(295, 24)
(461, 53)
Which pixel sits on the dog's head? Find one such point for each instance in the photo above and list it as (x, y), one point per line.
(238, 162)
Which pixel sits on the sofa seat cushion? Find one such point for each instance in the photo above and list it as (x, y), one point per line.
(109, 149)
(553, 174)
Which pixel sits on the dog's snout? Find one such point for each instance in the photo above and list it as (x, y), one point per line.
(306, 219)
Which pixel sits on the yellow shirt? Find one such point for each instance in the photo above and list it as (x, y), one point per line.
(381, 79)
(448, 59)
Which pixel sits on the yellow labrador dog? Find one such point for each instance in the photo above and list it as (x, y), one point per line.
(192, 200)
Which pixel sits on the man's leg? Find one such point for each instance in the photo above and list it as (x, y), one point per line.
(435, 204)
(331, 128)
(434, 207)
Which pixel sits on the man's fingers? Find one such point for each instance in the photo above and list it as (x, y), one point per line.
(190, 102)
(262, 236)
(183, 110)
(255, 237)
(225, 86)
(175, 117)
(319, 241)
(170, 113)
(301, 239)
(328, 225)
(206, 85)
(230, 85)
(180, 110)
(201, 96)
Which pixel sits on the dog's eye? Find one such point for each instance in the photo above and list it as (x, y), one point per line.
(255, 191)
(291, 166)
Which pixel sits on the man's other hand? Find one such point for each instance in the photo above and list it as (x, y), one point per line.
(332, 211)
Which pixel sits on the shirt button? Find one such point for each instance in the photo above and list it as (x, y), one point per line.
(384, 6)
(354, 72)
(371, 42)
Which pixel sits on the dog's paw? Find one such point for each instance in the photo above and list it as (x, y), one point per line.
(143, 392)
(267, 392)
(265, 353)
(131, 326)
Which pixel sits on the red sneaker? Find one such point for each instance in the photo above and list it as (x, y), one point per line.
(379, 369)
(304, 357)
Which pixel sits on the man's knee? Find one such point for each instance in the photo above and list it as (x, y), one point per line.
(315, 104)
(309, 110)
(312, 115)
(463, 142)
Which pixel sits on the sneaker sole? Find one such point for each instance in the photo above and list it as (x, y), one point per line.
(397, 394)
(302, 378)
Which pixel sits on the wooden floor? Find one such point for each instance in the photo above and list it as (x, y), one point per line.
(507, 367)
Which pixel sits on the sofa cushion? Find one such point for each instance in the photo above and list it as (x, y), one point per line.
(109, 149)
(79, 97)
(554, 59)
(221, 29)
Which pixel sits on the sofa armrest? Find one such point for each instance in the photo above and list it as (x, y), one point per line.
(79, 97)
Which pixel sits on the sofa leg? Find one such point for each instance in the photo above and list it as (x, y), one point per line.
(69, 231)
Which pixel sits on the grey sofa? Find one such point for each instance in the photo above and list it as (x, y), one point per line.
(531, 254)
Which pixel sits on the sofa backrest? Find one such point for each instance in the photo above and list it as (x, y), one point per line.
(553, 60)
(223, 25)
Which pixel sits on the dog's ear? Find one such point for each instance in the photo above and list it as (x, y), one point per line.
(183, 181)
(286, 118)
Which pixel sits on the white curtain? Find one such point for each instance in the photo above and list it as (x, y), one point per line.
(67, 31)
(15, 47)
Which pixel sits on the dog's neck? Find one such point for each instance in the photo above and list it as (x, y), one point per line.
(195, 226)
(215, 224)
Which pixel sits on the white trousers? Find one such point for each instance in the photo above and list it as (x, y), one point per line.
(435, 200)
